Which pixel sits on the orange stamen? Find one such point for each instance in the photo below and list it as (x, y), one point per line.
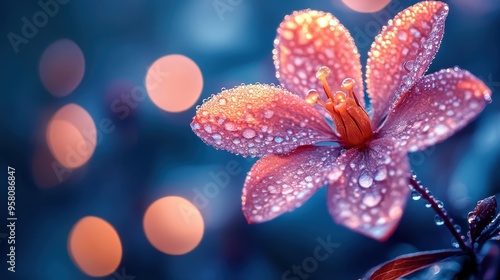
(350, 118)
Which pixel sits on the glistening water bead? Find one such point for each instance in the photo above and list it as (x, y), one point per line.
(438, 220)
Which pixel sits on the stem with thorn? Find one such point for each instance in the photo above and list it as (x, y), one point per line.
(446, 219)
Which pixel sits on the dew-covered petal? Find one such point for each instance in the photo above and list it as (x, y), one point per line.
(310, 39)
(440, 104)
(402, 53)
(259, 119)
(280, 183)
(368, 188)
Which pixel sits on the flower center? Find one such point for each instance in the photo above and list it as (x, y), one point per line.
(351, 120)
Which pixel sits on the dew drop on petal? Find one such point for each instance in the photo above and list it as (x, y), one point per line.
(487, 98)
(365, 180)
(372, 199)
(272, 189)
(408, 65)
(278, 139)
(268, 114)
(229, 126)
(216, 136)
(222, 101)
(249, 133)
(381, 173)
(402, 35)
(440, 129)
(286, 189)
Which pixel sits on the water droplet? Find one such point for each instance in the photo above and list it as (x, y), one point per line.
(268, 114)
(372, 199)
(440, 129)
(216, 137)
(236, 141)
(440, 204)
(222, 101)
(487, 98)
(249, 133)
(457, 228)
(207, 128)
(308, 179)
(381, 173)
(286, 189)
(428, 205)
(402, 36)
(365, 180)
(408, 65)
(278, 139)
(275, 208)
(415, 195)
(438, 220)
(312, 96)
(230, 126)
(454, 243)
(272, 189)
(471, 217)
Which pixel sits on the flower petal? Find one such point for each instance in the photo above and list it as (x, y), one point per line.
(440, 104)
(402, 53)
(369, 189)
(259, 119)
(280, 183)
(309, 39)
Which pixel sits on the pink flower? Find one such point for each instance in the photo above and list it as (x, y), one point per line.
(367, 172)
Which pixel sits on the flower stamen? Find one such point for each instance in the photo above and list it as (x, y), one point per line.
(350, 118)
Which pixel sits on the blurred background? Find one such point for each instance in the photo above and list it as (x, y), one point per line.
(96, 124)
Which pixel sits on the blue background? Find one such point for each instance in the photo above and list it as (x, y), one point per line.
(152, 153)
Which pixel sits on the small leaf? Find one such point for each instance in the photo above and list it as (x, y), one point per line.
(406, 264)
(481, 216)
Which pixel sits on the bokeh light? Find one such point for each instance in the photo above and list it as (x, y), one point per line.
(173, 225)
(174, 83)
(366, 6)
(71, 136)
(61, 67)
(95, 247)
